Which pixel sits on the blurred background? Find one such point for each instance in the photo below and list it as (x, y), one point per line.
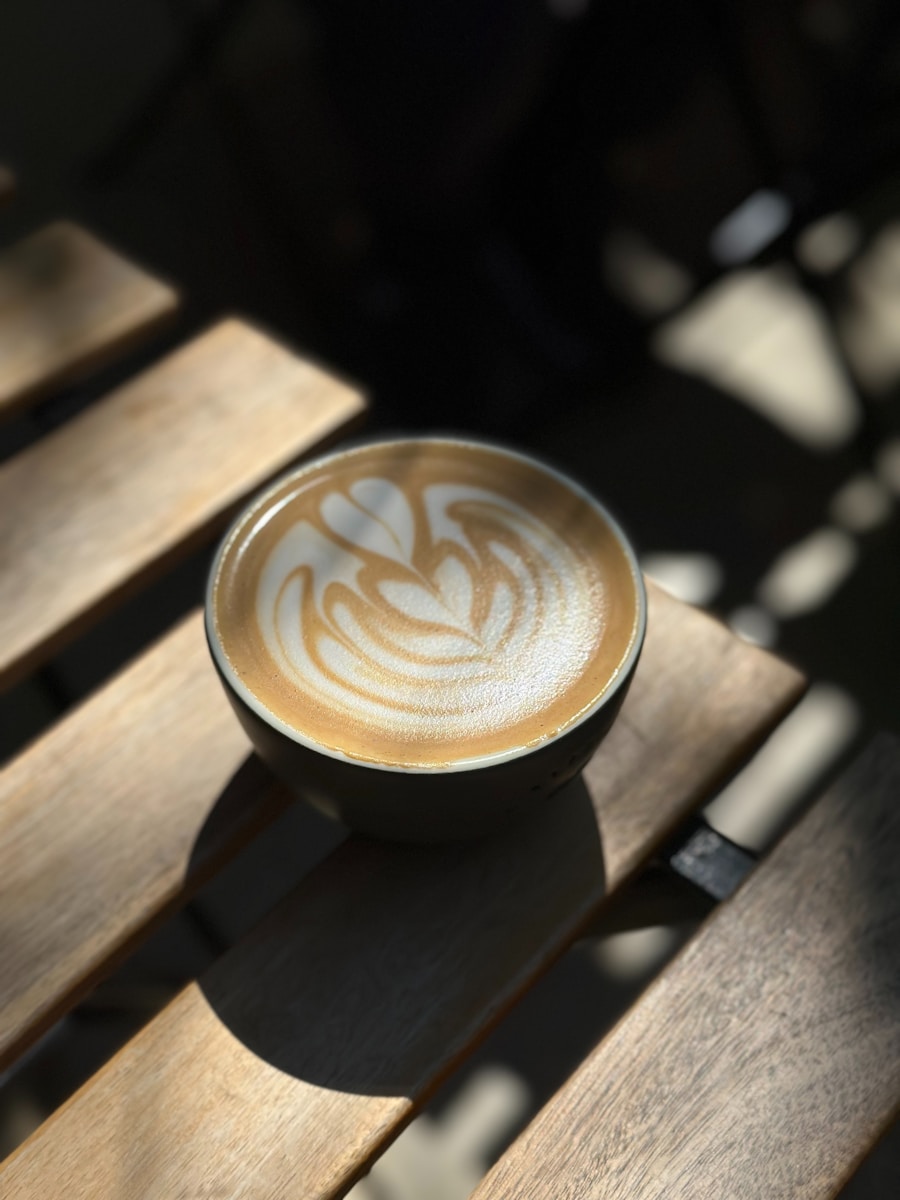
(657, 243)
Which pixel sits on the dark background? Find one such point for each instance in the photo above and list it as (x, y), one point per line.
(441, 202)
(433, 200)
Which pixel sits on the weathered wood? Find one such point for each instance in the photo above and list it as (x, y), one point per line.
(103, 504)
(100, 826)
(68, 303)
(291, 1064)
(765, 1062)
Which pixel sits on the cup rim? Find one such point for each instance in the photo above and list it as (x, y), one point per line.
(616, 682)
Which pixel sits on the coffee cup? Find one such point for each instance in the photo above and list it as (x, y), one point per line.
(425, 636)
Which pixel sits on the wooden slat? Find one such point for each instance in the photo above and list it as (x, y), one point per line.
(67, 304)
(765, 1062)
(101, 822)
(307, 1047)
(92, 511)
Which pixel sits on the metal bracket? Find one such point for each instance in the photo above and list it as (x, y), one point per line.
(710, 861)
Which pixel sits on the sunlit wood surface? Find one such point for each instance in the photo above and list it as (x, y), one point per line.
(107, 501)
(765, 1062)
(104, 826)
(289, 1066)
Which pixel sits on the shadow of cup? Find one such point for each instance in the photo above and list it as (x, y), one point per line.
(387, 960)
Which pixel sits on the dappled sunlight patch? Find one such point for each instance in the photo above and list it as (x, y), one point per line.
(861, 504)
(808, 573)
(829, 243)
(634, 953)
(754, 624)
(756, 336)
(636, 271)
(445, 1156)
(871, 324)
(888, 465)
(751, 227)
(694, 578)
(761, 799)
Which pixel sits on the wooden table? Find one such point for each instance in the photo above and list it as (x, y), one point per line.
(763, 1062)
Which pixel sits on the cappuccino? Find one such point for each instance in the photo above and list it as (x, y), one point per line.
(424, 604)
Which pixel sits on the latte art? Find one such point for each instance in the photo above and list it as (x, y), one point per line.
(428, 622)
(424, 605)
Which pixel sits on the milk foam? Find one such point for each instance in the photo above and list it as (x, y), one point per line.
(422, 604)
(474, 615)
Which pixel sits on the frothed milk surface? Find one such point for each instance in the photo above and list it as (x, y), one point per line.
(421, 604)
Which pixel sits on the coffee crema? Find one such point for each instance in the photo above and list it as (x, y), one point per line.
(424, 603)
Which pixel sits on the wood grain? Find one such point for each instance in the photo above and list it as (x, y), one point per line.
(291, 1064)
(67, 304)
(97, 508)
(765, 1062)
(100, 824)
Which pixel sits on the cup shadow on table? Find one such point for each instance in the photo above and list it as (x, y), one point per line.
(380, 967)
